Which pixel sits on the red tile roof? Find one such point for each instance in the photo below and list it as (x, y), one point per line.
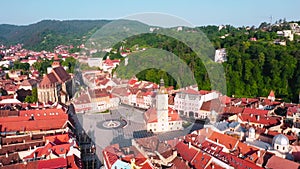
(267, 121)
(185, 152)
(110, 154)
(214, 104)
(255, 111)
(98, 93)
(132, 81)
(225, 99)
(249, 152)
(33, 125)
(277, 162)
(52, 163)
(228, 141)
(204, 92)
(190, 91)
(201, 160)
(237, 162)
(275, 133)
(74, 162)
(211, 148)
(233, 110)
(58, 139)
(179, 164)
(48, 113)
(213, 166)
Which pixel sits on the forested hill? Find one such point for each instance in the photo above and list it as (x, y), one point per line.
(256, 64)
(47, 34)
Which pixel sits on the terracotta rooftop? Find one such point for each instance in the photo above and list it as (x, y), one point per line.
(151, 115)
(255, 111)
(233, 110)
(53, 163)
(179, 163)
(226, 140)
(186, 152)
(214, 104)
(277, 162)
(267, 121)
(201, 160)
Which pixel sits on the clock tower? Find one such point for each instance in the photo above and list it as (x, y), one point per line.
(162, 108)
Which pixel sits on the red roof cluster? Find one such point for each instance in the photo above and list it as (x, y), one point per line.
(260, 119)
(31, 120)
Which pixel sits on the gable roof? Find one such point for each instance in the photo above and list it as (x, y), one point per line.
(52, 163)
(186, 152)
(226, 140)
(277, 162)
(201, 160)
(259, 119)
(61, 74)
(48, 80)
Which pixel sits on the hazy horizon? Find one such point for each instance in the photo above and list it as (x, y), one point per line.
(199, 13)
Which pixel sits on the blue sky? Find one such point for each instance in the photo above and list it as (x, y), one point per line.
(197, 12)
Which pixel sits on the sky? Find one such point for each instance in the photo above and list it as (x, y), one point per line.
(196, 12)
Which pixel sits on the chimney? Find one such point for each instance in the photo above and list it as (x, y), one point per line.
(251, 115)
(190, 145)
(206, 129)
(257, 117)
(217, 140)
(258, 153)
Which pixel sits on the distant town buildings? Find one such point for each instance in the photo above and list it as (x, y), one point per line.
(287, 34)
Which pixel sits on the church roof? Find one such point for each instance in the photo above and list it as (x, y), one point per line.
(58, 75)
(61, 74)
(49, 79)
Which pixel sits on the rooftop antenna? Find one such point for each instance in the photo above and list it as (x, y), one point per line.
(271, 19)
